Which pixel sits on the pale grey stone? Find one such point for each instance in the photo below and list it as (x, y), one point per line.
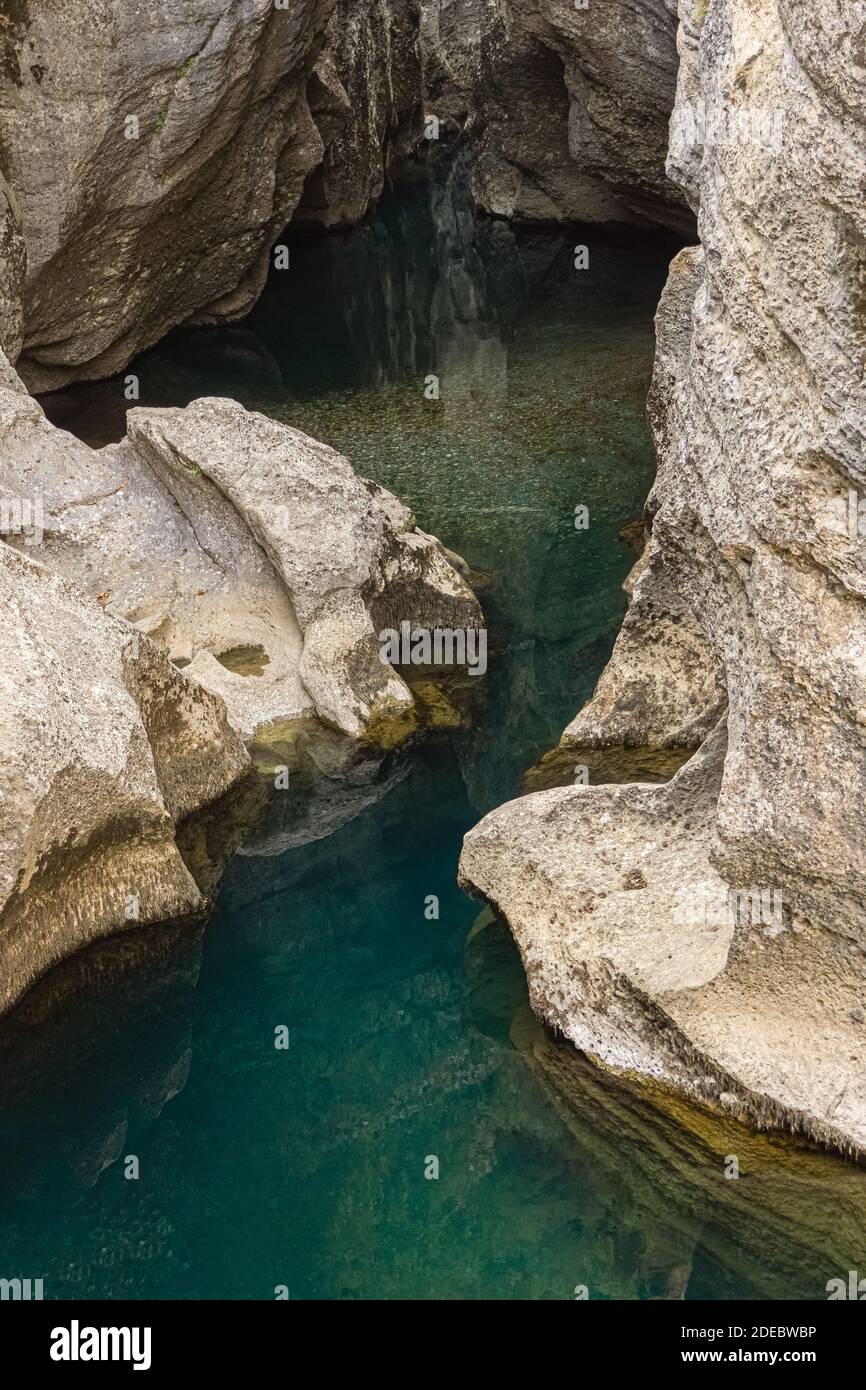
(753, 583)
(573, 106)
(127, 237)
(230, 538)
(104, 746)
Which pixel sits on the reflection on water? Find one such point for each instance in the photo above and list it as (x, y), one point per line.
(410, 1034)
(543, 372)
(306, 1167)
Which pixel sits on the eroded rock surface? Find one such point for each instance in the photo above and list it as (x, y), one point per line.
(156, 153)
(574, 107)
(365, 96)
(155, 159)
(151, 161)
(13, 260)
(250, 553)
(638, 952)
(104, 747)
(662, 687)
(754, 581)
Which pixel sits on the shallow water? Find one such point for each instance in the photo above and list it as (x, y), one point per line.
(410, 1039)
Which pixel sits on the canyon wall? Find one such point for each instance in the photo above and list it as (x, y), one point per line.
(572, 107)
(150, 159)
(155, 152)
(365, 96)
(13, 261)
(155, 157)
(712, 932)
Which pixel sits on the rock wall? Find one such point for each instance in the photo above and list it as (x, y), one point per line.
(155, 160)
(365, 96)
(152, 158)
(712, 933)
(573, 106)
(450, 38)
(155, 153)
(13, 260)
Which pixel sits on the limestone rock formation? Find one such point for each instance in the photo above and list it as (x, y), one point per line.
(155, 154)
(250, 553)
(104, 747)
(662, 687)
(638, 952)
(365, 96)
(573, 106)
(152, 161)
(450, 38)
(566, 105)
(13, 259)
(755, 578)
(155, 161)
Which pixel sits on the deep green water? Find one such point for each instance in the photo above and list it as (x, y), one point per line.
(409, 1038)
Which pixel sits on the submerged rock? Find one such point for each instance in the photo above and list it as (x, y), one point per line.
(788, 1223)
(104, 747)
(120, 1013)
(737, 966)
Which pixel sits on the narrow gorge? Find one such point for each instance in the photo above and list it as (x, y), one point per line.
(431, 444)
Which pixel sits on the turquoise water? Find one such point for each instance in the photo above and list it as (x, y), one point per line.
(410, 1038)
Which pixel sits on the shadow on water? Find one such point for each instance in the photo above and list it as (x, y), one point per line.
(338, 916)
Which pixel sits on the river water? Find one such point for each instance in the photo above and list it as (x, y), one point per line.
(412, 1051)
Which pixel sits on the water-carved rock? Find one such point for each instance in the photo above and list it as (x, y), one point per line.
(155, 154)
(251, 554)
(754, 582)
(104, 748)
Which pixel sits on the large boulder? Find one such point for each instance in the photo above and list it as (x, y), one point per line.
(104, 747)
(754, 584)
(250, 553)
